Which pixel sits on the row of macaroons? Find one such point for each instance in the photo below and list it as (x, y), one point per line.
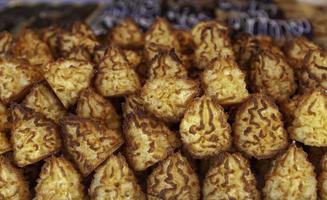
(159, 92)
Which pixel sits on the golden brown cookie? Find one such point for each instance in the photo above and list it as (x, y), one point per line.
(115, 77)
(6, 42)
(160, 36)
(41, 99)
(270, 74)
(16, 77)
(89, 142)
(5, 145)
(291, 177)
(68, 78)
(258, 128)
(168, 98)
(224, 81)
(230, 177)
(147, 140)
(296, 50)
(114, 180)
(30, 47)
(93, 105)
(134, 58)
(211, 41)
(314, 71)
(173, 178)
(309, 124)
(166, 64)
(33, 136)
(82, 28)
(13, 184)
(4, 117)
(127, 34)
(59, 180)
(204, 129)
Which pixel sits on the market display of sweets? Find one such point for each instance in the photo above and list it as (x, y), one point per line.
(161, 114)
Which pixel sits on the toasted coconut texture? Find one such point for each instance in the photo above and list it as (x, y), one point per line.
(211, 41)
(147, 140)
(224, 81)
(258, 128)
(185, 39)
(246, 46)
(127, 34)
(160, 36)
(297, 49)
(6, 41)
(50, 35)
(59, 180)
(134, 58)
(175, 171)
(80, 54)
(69, 41)
(168, 98)
(322, 179)
(291, 177)
(13, 185)
(114, 180)
(68, 78)
(288, 107)
(270, 74)
(30, 47)
(5, 145)
(166, 64)
(204, 129)
(33, 136)
(41, 99)
(230, 177)
(16, 77)
(115, 77)
(133, 103)
(4, 117)
(93, 105)
(83, 29)
(309, 125)
(314, 71)
(88, 142)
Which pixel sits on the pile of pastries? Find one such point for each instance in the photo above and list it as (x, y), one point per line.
(162, 114)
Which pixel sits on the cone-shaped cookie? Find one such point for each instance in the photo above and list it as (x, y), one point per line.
(291, 177)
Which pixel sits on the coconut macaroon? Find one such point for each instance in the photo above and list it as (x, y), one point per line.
(314, 71)
(160, 36)
(89, 142)
(296, 50)
(50, 35)
(204, 129)
(270, 74)
(41, 99)
(114, 180)
(147, 140)
(291, 177)
(258, 128)
(230, 177)
(127, 34)
(16, 77)
(288, 107)
(211, 41)
(224, 81)
(115, 77)
(82, 28)
(30, 47)
(6, 41)
(93, 105)
(5, 145)
(322, 179)
(309, 124)
(33, 136)
(166, 64)
(68, 78)
(4, 117)
(168, 98)
(13, 184)
(59, 180)
(177, 171)
(133, 103)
